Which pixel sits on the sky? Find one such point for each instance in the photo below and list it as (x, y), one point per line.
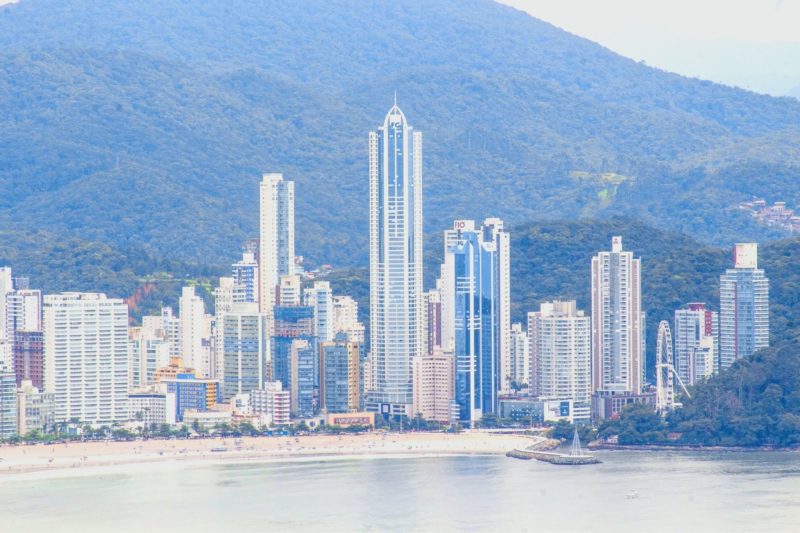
(754, 44)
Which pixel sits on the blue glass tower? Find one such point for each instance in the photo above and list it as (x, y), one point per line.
(477, 322)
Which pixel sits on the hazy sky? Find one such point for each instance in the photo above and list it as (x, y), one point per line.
(750, 43)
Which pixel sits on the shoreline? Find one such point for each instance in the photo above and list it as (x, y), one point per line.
(686, 448)
(44, 460)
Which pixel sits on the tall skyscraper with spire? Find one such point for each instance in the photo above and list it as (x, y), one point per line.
(276, 246)
(396, 314)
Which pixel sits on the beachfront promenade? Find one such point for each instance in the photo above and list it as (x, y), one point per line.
(86, 455)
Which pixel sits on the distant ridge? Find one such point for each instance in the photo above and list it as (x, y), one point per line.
(148, 124)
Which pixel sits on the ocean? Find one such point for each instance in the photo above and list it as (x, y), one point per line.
(630, 491)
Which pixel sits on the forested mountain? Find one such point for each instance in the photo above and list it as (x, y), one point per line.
(146, 125)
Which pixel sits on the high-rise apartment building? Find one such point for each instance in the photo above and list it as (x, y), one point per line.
(245, 279)
(345, 318)
(167, 326)
(396, 240)
(433, 320)
(303, 378)
(86, 356)
(340, 375)
(743, 307)
(519, 346)
(434, 387)
(617, 322)
(289, 292)
(6, 287)
(8, 404)
(320, 297)
(560, 353)
(289, 324)
(473, 265)
(245, 350)
(28, 351)
(696, 343)
(148, 353)
(193, 331)
(276, 246)
(23, 311)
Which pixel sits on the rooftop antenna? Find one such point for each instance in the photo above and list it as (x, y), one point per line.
(395, 97)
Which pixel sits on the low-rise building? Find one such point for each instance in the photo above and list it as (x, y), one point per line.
(271, 401)
(192, 393)
(35, 409)
(152, 407)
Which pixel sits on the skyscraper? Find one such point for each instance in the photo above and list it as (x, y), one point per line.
(617, 322)
(340, 375)
(276, 247)
(743, 307)
(192, 331)
(245, 279)
(473, 266)
(320, 297)
(345, 318)
(396, 315)
(434, 387)
(696, 343)
(86, 356)
(8, 404)
(519, 355)
(560, 352)
(245, 350)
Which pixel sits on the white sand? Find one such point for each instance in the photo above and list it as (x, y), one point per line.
(80, 456)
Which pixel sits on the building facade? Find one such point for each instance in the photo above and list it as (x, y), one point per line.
(276, 245)
(434, 387)
(245, 350)
(35, 409)
(245, 279)
(743, 307)
(473, 266)
(696, 351)
(617, 322)
(320, 297)
(271, 401)
(303, 378)
(193, 331)
(86, 356)
(519, 346)
(192, 393)
(341, 386)
(560, 353)
(396, 240)
(8, 404)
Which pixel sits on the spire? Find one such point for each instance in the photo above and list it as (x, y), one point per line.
(395, 98)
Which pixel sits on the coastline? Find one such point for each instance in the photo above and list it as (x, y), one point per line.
(96, 457)
(685, 448)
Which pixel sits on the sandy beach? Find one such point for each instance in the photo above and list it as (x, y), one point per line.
(90, 455)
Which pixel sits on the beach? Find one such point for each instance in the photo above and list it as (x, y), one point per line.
(72, 456)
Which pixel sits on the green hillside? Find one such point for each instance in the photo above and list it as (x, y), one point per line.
(146, 125)
(552, 260)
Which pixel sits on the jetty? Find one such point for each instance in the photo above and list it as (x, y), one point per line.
(576, 456)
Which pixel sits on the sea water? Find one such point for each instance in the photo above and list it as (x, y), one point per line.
(629, 491)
